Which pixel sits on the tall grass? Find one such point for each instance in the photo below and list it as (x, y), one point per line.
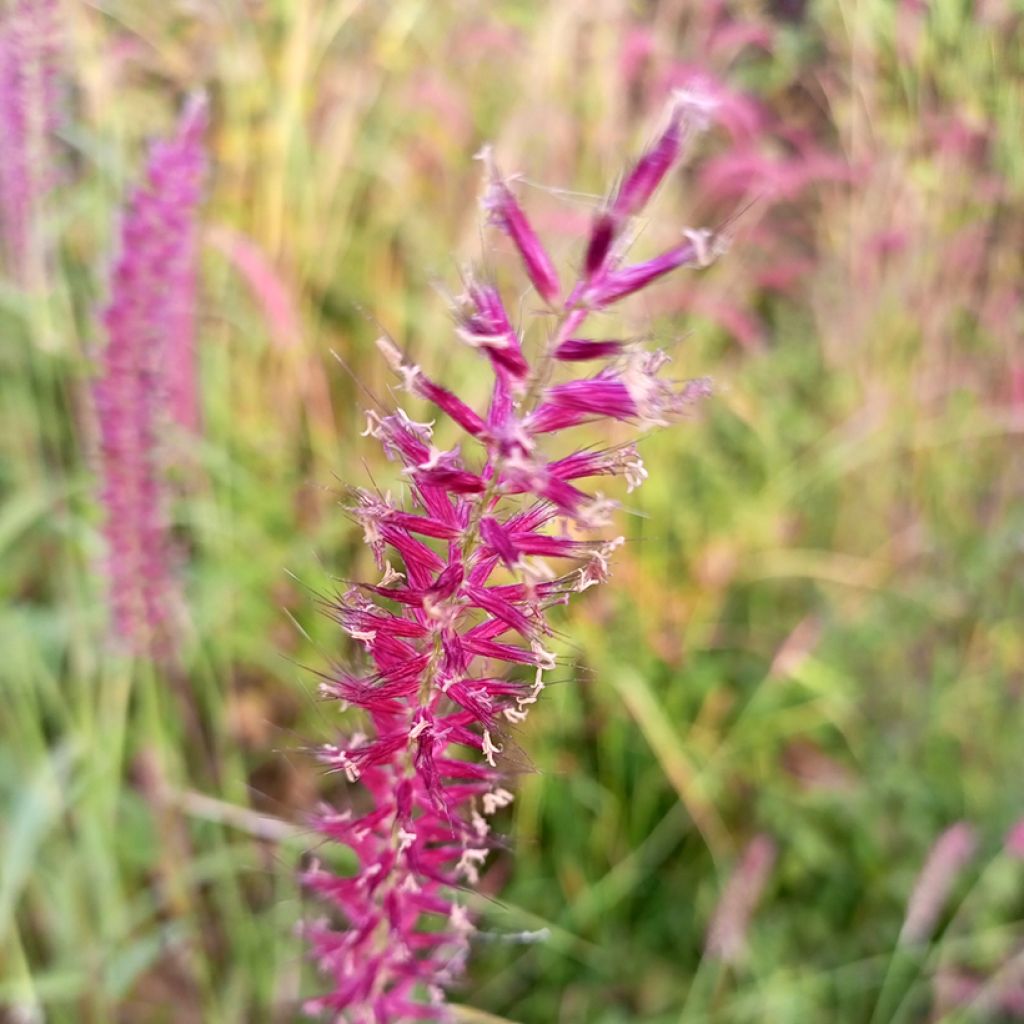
(818, 641)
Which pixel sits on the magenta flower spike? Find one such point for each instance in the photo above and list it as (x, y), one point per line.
(146, 376)
(948, 858)
(730, 925)
(456, 638)
(1014, 844)
(30, 113)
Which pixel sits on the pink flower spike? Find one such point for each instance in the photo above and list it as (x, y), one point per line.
(499, 539)
(31, 78)
(624, 461)
(576, 401)
(947, 859)
(436, 635)
(414, 380)
(448, 478)
(1014, 844)
(183, 178)
(147, 377)
(730, 925)
(634, 392)
(506, 214)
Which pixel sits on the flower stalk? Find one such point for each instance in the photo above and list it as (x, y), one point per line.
(457, 638)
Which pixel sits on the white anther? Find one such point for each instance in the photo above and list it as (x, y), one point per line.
(634, 469)
(433, 459)
(348, 766)
(496, 800)
(395, 360)
(489, 749)
(459, 920)
(475, 340)
(702, 241)
(480, 826)
(391, 575)
(546, 660)
(373, 425)
(424, 430)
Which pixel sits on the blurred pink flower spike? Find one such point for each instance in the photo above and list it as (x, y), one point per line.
(266, 283)
(30, 114)
(947, 859)
(177, 171)
(146, 376)
(1014, 844)
(999, 996)
(454, 660)
(638, 44)
(730, 924)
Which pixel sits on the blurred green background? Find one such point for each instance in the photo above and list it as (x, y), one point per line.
(813, 633)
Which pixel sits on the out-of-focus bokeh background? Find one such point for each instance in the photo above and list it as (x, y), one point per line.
(809, 663)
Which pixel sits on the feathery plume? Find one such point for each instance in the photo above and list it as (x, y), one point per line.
(438, 705)
(30, 113)
(147, 375)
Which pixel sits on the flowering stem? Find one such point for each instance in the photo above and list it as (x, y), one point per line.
(425, 836)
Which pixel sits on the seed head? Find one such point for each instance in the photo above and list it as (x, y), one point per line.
(456, 642)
